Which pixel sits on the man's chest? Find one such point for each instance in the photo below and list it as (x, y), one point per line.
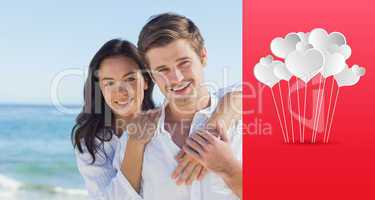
(158, 165)
(178, 131)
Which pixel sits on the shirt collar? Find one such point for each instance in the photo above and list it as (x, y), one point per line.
(206, 112)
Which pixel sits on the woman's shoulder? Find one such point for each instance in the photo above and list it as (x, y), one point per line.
(104, 153)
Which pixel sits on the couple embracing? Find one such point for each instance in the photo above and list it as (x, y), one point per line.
(190, 147)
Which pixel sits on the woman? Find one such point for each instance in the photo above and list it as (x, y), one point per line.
(118, 88)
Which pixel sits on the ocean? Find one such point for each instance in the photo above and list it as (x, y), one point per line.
(36, 155)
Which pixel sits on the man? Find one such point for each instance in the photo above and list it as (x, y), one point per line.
(173, 50)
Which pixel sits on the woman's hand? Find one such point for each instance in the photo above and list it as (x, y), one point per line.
(142, 127)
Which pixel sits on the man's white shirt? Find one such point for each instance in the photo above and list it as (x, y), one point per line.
(159, 163)
(104, 180)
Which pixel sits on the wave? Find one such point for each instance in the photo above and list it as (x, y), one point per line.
(71, 191)
(10, 185)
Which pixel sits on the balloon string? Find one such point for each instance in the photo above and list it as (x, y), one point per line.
(316, 110)
(290, 111)
(328, 112)
(304, 115)
(278, 115)
(319, 110)
(282, 107)
(299, 112)
(333, 112)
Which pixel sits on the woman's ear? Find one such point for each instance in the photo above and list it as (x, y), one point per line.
(204, 56)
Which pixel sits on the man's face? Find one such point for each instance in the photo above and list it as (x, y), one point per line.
(178, 71)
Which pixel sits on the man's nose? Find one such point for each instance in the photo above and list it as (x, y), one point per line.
(175, 76)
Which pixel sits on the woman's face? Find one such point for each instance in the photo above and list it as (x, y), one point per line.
(122, 85)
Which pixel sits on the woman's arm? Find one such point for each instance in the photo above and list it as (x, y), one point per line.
(102, 180)
(131, 165)
(140, 131)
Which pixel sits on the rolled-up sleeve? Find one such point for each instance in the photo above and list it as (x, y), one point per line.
(102, 180)
(236, 87)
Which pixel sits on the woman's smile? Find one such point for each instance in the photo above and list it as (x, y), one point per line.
(122, 103)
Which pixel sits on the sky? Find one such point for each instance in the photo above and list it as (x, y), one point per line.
(46, 46)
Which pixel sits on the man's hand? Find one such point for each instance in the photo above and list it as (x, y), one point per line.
(216, 155)
(211, 151)
(188, 169)
(228, 109)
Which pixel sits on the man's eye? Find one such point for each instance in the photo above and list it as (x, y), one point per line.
(130, 79)
(185, 64)
(163, 70)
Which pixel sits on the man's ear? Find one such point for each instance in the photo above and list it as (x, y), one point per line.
(204, 56)
(145, 84)
(151, 75)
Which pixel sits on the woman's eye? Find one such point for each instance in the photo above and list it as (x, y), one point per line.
(108, 83)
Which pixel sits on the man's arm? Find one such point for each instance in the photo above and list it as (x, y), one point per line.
(228, 110)
(216, 155)
(233, 178)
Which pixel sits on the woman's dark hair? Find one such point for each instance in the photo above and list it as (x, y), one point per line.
(94, 124)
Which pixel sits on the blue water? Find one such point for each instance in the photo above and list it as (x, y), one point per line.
(36, 155)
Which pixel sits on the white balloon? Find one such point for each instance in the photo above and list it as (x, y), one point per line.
(306, 55)
(304, 37)
(266, 60)
(305, 64)
(349, 77)
(281, 47)
(337, 38)
(303, 46)
(360, 71)
(321, 40)
(333, 64)
(344, 50)
(280, 71)
(264, 74)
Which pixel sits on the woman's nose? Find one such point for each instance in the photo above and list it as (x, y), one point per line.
(122, 88)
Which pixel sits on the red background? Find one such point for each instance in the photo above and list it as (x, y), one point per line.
(344, 169)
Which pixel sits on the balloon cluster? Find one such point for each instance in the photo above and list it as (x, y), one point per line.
(315, 54)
